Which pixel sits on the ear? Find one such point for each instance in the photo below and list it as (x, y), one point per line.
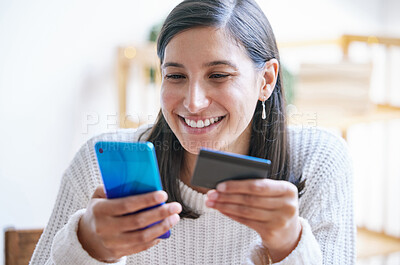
(269, 76)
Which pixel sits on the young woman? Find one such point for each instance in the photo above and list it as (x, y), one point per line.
(221, 89)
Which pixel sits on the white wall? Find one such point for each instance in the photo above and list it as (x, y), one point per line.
(321, 19)
(390, 17)
(57, 66)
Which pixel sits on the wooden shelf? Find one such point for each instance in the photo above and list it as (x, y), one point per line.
(375, 244)
(327, 118)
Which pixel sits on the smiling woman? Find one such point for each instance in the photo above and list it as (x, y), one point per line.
(221, 89)
(214, 79)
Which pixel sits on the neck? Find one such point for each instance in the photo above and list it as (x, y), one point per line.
(187, 169)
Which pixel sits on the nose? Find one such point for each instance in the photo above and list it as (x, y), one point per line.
(196, 98)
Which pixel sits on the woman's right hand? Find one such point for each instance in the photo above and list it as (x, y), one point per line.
(107, 233)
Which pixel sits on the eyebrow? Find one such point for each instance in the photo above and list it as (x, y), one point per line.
(165, 65)
(213, 63)
(223, 62)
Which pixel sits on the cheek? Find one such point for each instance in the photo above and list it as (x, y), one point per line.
(243, 99)
(168, 99)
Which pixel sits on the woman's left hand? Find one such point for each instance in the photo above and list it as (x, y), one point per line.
(270, 207)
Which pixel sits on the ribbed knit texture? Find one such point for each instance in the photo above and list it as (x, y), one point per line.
(326, 210)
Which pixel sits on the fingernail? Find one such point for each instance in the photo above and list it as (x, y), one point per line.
(221, 187)
(212, 195)
(210, 203)
(161, 196)
(175, 208)
(174, 219)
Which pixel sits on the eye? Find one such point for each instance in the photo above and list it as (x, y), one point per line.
(218, 76)
(174, 76)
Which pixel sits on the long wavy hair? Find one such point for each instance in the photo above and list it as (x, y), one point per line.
(246, 23)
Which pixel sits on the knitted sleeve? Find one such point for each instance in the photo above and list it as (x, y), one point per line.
(327, 203)
(326, 208)
(307, 251)
(59, 243)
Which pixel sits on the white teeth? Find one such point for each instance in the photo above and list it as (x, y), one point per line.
(201, 123)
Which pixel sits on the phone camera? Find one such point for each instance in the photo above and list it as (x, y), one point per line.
(101, 150)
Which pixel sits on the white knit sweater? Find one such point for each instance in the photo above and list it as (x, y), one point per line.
(326, 210)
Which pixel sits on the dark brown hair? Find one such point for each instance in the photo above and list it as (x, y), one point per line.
(244, 21)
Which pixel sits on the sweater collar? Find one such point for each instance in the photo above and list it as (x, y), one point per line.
(194, 199)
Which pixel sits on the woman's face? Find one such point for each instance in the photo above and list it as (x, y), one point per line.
(209, 90)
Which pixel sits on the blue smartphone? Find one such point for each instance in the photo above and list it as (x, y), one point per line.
(128, 168)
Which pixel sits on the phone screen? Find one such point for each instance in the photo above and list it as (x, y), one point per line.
(128, 168)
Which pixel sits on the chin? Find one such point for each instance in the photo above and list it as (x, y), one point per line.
(193, 146)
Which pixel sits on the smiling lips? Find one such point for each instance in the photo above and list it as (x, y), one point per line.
(202, 123)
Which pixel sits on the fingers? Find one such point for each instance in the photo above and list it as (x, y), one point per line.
(109, 225)
(112, 228)
(255, 218)
(243, 211)
(245, 221)
(252, 207)
(134, 238)
(261, 200)
(260, 187)
(140, 247)
(99, 192)
(148, 217)
(143, 247)
(268, 203)
(130, 249)
(118, 207)
(154, 231)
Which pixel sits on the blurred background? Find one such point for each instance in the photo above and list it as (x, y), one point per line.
(72, 69)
